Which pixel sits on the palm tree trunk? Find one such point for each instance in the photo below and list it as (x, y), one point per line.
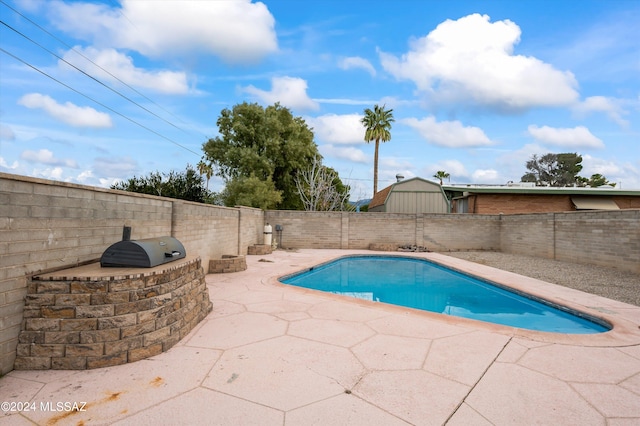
(375, 168)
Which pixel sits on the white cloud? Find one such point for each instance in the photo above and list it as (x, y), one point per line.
(55, 173)
(347, 153)
(68, 113)
(337, 129)
(592, 165)
(625, 174)
(85, 176)
(450, 134)
(108, 182)
(577, 137)
(115, 167)
(6, 133)
(471, 60)
(486, 176)
(609, 106)
(356, 62)
(236, 31)
(289, 91)
(343, 101)
(44, 156)
(396, 163)
(31, 6)
(512, 163)
(390, 167)
(6, 167)
(454, 167)
(121, 66)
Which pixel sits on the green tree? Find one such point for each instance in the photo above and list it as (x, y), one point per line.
(569, 165)
(597, 180)
(554, 169)
(441, 174)
(205, 171)
(251, 191)
(187, 185)
(263, 144)
(377, 123)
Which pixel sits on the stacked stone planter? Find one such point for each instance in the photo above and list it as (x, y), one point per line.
(259, 249)
(77, 321)
(228, 263)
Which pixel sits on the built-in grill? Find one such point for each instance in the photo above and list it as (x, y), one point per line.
(145, 253)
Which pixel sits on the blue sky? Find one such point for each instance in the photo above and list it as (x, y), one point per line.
(476, 87)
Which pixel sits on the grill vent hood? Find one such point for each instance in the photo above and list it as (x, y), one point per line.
(145, 253)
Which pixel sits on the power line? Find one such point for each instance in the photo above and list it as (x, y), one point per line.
(93, 78)
(120, 12)
(97, 102)
(85, 57)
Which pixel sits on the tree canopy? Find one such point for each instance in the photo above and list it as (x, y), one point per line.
(260, 149)
(554, 169)
(440, 175)
(187, 185)
(377, 124)
(560, 170)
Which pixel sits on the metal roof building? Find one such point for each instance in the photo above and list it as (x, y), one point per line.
(415, 195)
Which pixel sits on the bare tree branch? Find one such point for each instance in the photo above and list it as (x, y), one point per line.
(317, 189)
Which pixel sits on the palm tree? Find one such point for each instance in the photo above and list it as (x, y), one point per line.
(205, 170)
(377, 125)
(441, 174)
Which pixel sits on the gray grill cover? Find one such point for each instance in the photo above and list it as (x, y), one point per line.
(145, 253)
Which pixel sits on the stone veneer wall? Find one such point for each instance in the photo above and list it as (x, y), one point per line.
(90, 322)
(259, 250)
(228, 263)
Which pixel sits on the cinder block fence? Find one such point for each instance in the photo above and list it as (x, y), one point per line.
(46, 225)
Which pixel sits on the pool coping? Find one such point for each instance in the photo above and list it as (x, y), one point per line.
(623, 318)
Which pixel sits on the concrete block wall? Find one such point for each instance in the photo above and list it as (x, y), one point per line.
(438, 232)
(205, 230)
(530, 234)
(375, 228)
(47, 225)
(606, 238)
(609, 239)
(307, 229)
(454, 232)
(250, 228)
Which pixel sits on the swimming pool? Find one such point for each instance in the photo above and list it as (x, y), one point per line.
(421, 284)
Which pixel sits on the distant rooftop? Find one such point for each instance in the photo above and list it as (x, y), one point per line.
(529, 187)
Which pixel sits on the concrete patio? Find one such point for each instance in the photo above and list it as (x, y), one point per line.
(270, 354)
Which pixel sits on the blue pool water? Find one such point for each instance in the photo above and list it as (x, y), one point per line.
(420, 284)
